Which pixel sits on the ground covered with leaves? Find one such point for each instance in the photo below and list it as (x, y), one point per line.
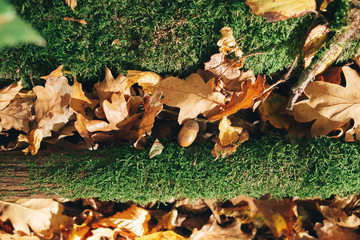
(277, 70)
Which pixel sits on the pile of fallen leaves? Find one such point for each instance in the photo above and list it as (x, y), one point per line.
(238, 218)
(125, 108)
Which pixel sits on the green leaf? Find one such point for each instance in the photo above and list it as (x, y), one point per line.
(13, 30)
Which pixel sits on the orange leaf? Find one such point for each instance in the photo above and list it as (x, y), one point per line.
(34, 139)
(153, 107)
(250, 92)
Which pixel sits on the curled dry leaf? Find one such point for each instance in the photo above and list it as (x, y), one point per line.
(135, 219)
(193, 96)
(314, 41)
(228, 43)
(222, 151)
(231, 135)
(339, 217)
(42, 216)
(8, 93)
(331, 106)
(71, 3)
(34, 138)
(152, 106)
(79, 101)
(149, 81)
(281, 9)
(246, 99)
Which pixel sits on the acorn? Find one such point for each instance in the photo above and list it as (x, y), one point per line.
(188, 133)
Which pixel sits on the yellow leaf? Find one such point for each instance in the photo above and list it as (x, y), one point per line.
(134, 219)
(228, 134)
(149, 81)
(167, 235)
(325, 4)
(228, 43)
(193, 96)
(275, 10)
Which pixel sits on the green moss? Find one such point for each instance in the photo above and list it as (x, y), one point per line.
(281, 167)
(167, 37)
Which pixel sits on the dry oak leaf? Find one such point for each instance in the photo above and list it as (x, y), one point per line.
(228, 43)
(134, 219)
(16, 115)
(230, 135)
(110, 85)
(339, 216)
(153, 106)
(8, 93)
(336, 105)
(275, 10)
(51, 109)
(193, 96)
(56, 73)
(251, 91)
(79, 101)
(149, 81)
(81, 128)
(213, 231)
(223, 151)
(42, 216)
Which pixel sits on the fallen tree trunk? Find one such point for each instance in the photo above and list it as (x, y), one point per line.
(15, 177)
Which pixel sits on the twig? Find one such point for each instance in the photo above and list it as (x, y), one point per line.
(81, 21)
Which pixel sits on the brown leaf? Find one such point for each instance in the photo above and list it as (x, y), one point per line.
(42, 216)
(213, 231)
(81, 127)
(110, 85)
(79, 101)
(331, 106)
(329, 231)
(223, 151)
(281, 9)
(192, 95)
(16, 115)
(8, 93)
(153, 107)
(135, 219)
(34, 138)
(331, 75)
(250, 92)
